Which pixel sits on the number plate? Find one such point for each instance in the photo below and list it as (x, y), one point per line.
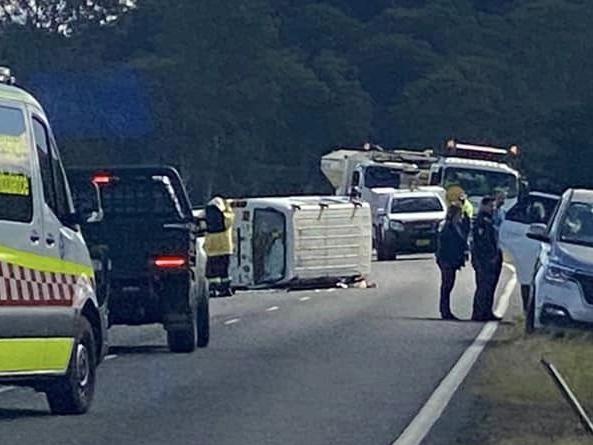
(423, 242)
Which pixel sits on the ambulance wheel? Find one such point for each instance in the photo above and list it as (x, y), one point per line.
(183, 340)
(203, 318)
(73, 393)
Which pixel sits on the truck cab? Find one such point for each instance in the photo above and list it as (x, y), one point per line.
(479, 171)
(52, 324)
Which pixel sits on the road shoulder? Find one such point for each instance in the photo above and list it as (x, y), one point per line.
(509, 399)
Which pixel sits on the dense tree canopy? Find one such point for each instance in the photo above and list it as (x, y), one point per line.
(245, 95)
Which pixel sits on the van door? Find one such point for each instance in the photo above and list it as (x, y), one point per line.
(20, 245)
(513, 232)
(59, 240)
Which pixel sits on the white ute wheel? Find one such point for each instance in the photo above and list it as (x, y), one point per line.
(73, 393)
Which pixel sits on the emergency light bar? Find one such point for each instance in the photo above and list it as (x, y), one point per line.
(483, 152)
(6, 76)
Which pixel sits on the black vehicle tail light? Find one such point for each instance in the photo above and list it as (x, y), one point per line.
(170, 262)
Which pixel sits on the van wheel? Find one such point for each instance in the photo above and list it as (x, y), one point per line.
(183, 340)
(73, 393)
(203, 318)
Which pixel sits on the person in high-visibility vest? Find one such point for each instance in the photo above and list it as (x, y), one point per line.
(219, 246)
(456, 195)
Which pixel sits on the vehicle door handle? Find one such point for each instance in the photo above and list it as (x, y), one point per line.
(50, 241)
(35, 238)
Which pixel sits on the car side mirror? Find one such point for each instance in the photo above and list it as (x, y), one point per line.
(355, 192)
(538, 232)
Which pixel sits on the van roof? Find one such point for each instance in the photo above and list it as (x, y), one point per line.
(16, 94)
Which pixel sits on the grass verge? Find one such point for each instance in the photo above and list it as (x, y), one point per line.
(523, 406)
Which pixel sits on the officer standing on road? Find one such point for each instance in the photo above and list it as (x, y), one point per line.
(450, 256)
(219, 246)
(486, 259)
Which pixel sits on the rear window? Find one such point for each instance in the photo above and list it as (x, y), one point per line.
(16, 203)
(416, 205)
(134, 196)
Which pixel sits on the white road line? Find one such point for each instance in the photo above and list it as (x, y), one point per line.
(6, 389)
(110, 357)
(418, 429)
(232, 321)
(304, 299)
(272, 309)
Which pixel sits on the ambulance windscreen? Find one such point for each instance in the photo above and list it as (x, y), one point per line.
(16, 203)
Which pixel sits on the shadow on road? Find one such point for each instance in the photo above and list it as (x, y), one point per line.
(12, 414)
(467, 320)
(146, 349)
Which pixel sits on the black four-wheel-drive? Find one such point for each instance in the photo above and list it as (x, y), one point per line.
(149, 261)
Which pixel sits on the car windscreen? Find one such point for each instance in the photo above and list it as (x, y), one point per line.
(16, 203)
(481, 183)
(577, 224)
(376, 177)
(416, 205)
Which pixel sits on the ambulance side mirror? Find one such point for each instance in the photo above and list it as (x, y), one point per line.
(88, 210)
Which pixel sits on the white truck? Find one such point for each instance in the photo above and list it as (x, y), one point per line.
(371, 173)
(300, 241)
(479, 170)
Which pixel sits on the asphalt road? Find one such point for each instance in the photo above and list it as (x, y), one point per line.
(344, 367)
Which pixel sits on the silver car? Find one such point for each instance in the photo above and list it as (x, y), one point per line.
(562, 285)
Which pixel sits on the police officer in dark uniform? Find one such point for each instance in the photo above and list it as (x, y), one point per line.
(486, 258)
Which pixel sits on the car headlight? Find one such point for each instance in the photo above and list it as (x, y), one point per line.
(396, 226)
(557, 273)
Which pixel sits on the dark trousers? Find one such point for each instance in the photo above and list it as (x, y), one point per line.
(448, 275)
(486, 281)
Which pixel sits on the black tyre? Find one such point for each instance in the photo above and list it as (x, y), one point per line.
(385, 251)
(203, 318)
(73, 393)
(183, 339)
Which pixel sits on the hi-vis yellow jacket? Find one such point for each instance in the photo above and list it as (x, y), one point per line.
(220, 242)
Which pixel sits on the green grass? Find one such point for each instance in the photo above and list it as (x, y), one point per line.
(524, 405)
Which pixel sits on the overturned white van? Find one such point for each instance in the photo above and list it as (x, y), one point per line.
(300, 241)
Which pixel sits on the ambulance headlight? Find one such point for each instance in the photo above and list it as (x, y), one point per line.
(396, 226)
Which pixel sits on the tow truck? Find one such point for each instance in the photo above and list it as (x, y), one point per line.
(480, 170)
(371, 173)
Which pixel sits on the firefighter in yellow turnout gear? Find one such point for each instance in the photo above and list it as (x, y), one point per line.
(219, 246)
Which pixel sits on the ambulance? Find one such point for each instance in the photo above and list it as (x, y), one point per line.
(52, 326)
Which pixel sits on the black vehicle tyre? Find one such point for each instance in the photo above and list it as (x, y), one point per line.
(73, 393)
(183, 340)
(203, 319)
(385, 252)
